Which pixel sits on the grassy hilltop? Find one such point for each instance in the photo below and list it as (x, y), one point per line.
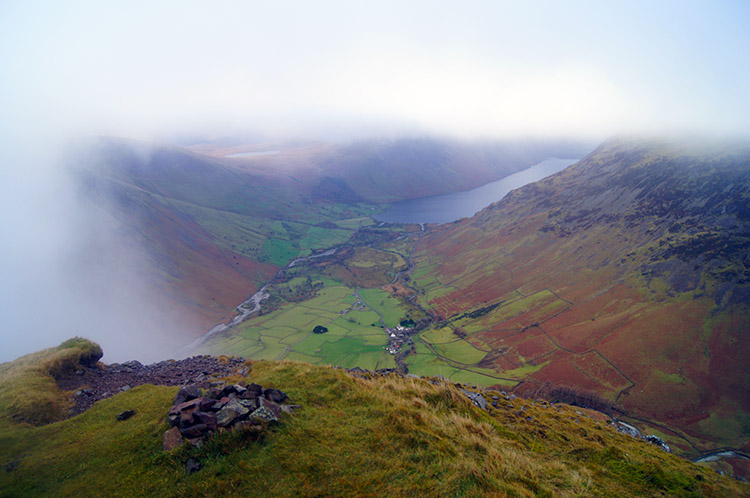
(370, 436)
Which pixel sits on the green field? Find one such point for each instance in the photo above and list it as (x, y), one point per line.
(389, 306)
(460, 351)
(354, 337)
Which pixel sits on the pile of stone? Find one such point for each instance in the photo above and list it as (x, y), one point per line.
(196, 415)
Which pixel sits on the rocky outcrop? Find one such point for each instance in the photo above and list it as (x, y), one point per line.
(656, 440)
(476, 398)
(196, 415)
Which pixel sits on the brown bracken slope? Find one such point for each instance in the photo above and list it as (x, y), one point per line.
(626, 274)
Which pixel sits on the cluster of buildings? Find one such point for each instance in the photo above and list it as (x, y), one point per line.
(397, 337)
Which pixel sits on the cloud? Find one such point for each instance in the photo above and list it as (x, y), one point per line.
(488, 68)
(68, 269)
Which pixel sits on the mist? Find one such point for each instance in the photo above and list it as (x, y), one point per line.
(299, 70)
(70, 269)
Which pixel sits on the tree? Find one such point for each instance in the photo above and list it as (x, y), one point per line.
(319, 329)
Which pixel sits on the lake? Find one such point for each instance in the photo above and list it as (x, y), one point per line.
(451, 207)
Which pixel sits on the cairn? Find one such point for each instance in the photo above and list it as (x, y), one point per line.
(196, 415)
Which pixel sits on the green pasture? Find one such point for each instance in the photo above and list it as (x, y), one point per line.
(460, 351)
(425, 362)
(323, 238)
(439, 336)
(286, 333)
(384, 302)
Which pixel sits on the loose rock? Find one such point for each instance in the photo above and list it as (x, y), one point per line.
(222, 407)
(125, 415)
(172, 439)
(193, 466)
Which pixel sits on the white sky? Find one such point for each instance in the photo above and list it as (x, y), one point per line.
(471, 68)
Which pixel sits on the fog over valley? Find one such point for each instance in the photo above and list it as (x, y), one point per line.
(308, 80)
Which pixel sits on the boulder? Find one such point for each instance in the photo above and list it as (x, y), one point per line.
(270, 406)
(132, 365)
(206, 404)
(187, 393)
(263, 413)
(186, 420)
(207, 419)
(193, 431)
(232, 411)
(192, 466)
(250, 404)
(255, 389)
(477, 399)
(173, 419)
(290, 408)
(274, 395)
(187, 406)
(658, 442)
(246, 394)
(172, 439)
(125, 415)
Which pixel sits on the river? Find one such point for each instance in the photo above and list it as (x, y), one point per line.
(451, 207)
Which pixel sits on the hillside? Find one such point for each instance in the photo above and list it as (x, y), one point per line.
(389, 170)
(353, 435)
(215, 228)
(625, 275)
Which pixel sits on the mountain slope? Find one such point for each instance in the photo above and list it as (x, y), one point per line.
(625, 275)
(381, 171)
(364, 435)
(214, 229)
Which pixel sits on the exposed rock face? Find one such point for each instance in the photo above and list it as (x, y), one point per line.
(656, 440)
(195, 415)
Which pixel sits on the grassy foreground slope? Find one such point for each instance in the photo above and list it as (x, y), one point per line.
(379, 436)
(626, 274)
